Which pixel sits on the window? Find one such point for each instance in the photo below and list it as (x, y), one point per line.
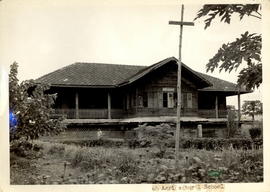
(189, 100)
(143, 100)
(182, 100)
(169, 99)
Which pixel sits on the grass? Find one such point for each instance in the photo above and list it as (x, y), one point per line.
(70, 164)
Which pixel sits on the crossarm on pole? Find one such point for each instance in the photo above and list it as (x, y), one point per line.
(181, 23)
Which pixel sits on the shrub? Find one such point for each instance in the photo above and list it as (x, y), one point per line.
(30, 109)
(217, 143)
(232, 126)
(96, 142)
(24, 148)
(158, 136)
(255, 133)
(161, 136)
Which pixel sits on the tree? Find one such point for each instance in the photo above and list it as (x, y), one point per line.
(246, 48)
(30, 109)
(252, 108)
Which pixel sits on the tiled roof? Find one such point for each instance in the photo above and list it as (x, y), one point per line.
(90, 74)
(221, 85)
(112, 75)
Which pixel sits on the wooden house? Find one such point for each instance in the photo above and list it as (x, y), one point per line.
(109, 91)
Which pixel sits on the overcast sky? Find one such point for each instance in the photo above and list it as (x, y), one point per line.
(45, 35)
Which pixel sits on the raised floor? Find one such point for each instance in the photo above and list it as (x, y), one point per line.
(148, 120)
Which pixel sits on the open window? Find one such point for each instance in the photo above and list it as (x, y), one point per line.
(169, 98)
(143, 99)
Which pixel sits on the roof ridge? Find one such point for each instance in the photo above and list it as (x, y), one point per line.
(109, 64)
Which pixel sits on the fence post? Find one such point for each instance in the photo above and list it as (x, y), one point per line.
(199, 131)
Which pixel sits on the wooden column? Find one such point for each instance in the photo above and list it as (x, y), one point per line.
(77, 105)
(127, 103)
(239, 108)
(109, 106)
(136, 100)
(216, 106)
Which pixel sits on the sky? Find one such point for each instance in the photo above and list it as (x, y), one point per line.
(45, 35)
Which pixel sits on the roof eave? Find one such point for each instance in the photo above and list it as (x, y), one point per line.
(230, 92)
(82, 86)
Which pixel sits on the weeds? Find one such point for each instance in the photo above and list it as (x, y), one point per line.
(123, 165)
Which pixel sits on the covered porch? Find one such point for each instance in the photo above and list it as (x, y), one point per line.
(82, 103)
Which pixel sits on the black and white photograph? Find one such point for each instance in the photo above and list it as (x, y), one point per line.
(106, 93)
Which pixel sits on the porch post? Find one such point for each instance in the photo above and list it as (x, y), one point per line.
(77, 105)
(239, 107)
(109, 105)
(216, 106)
(136, 100)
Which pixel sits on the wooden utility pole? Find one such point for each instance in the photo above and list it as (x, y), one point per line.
(181, 23)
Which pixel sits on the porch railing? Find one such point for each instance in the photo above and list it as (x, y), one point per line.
(83, 113)
(211, 113)
(119, 113)
(89, 113)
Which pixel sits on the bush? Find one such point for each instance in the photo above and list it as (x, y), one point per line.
(218, 143)
(24, 148)
(161, 136)
(255, 133)
(232, 126)
(158, 136)
(30, 109)
(96, 142)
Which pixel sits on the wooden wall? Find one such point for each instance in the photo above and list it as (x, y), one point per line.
(153, 84)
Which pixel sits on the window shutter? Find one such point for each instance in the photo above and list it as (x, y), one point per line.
(189, 100)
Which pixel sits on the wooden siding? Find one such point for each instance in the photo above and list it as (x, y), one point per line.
(153, 84)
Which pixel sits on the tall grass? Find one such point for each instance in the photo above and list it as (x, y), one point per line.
(123, 165)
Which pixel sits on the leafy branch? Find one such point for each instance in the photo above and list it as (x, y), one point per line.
(246, 49)
(225, 11)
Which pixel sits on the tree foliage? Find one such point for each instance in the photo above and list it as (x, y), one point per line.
(252, 108)
(225, 11)
(30, 109)
(246, 48)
